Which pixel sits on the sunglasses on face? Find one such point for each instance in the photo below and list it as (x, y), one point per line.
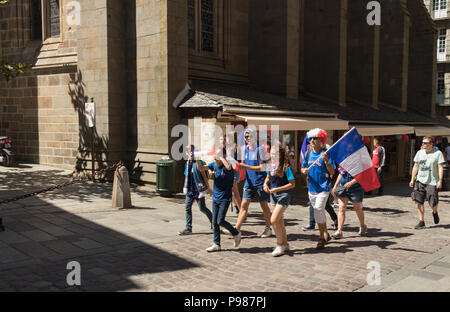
(312, 139)
(426, 143)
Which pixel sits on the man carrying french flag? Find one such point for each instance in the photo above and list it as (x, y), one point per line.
(352, 155)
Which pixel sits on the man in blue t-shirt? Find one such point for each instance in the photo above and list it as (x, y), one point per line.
(319, 169)
(254, 163)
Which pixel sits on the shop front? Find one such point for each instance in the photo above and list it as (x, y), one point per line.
(396, 140)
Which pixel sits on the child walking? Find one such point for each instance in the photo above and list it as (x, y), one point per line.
(279, 181)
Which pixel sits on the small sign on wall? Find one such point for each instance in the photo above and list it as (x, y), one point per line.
(89, 114)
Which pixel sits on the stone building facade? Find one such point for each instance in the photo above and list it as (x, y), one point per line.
(438, 10)
(292, 58)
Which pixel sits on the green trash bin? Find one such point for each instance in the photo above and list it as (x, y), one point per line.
(165, 177)
(446, 180)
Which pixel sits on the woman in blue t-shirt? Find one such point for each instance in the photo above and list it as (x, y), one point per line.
(351, 191)
(222, 196)
(278, 183)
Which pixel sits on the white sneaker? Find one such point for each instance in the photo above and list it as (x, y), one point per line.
(267, 232)
(225, 232)
(213, 248)
(279, 251)
(237, 240)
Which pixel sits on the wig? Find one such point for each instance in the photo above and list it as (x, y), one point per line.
(318, 133)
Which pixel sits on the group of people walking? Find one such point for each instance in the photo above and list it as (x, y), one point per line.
(271, 178)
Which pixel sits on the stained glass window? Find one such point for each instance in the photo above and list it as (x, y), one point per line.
(53, 18)
(191, 23)
(207, 19)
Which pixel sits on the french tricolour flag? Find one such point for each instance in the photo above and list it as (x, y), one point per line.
(352, 155)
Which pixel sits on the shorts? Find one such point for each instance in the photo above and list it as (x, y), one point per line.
(355, 195)
(282, 199)
(250, 192)
(424, 192)
(237, 176)
(318, 202)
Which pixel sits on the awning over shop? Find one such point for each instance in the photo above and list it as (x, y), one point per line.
(382, 130)
(295, 123)
(432, 131)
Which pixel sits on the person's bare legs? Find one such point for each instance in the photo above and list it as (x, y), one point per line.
(323, 231)
(359, 212)
(435, 209)
(243, 212)
(341, 216)
(277, 221)
(421, 209)
(267, 214)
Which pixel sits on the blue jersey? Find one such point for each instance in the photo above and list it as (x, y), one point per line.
(255, 157)
(223, 182)
(319, 179)
(276, 181)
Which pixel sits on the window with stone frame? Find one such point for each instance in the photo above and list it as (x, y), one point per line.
(203, 26)
(45, 19)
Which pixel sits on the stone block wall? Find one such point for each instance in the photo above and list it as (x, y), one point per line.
(36, 109)
(394, 45)
(362, 56)
(325, 37)
(422, 71)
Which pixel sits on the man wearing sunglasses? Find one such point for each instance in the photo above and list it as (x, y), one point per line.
(426, 179)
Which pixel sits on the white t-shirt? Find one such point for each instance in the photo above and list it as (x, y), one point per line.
(447, 150)
(428, 166)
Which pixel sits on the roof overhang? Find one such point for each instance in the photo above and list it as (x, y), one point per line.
(432, 131)
(294, 123)
(382, 130)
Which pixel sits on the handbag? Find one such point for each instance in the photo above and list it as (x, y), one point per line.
(340, 190)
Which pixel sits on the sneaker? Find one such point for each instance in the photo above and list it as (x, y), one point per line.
(237, 239)
(337, 235)
(267, 232)
(436, 218)
(363, 231)
(279, 251)
(213, 248)
(321, 244)
(420, 225)
(308, 228)
(225, 232)
(185, 232)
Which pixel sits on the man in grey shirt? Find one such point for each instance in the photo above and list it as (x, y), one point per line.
(427, 176)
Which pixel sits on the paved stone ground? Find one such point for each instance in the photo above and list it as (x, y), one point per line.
(138, 249)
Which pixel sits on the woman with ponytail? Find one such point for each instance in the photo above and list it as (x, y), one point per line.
(279, 181)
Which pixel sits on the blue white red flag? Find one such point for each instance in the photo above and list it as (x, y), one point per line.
(352, 155)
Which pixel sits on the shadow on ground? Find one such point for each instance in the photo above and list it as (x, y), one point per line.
(36, 247)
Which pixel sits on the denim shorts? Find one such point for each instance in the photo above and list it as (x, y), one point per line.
(237, 176)
(355, 195)
(250, 192)
(281, 198)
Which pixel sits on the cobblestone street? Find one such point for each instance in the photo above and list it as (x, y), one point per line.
(138, 249)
